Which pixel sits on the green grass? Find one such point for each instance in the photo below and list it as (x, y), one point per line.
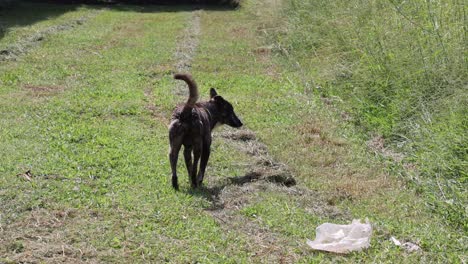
(86, 111)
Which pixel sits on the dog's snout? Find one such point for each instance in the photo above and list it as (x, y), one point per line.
(237, 125)
(236, 122)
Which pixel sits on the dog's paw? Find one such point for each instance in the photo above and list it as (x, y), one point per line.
(200, 183)
(175, 184)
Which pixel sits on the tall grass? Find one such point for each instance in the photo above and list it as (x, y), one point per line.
(400, 70)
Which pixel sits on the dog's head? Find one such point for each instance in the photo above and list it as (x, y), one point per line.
(226, 111)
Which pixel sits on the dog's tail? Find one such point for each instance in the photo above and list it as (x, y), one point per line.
(193, 89)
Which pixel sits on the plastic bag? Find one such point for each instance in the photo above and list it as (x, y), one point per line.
(342, 238)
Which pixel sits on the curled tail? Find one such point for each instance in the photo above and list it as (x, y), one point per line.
(193, 89)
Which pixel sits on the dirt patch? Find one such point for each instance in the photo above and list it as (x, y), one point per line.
(377, 145)
(314, 134)
(29, 176)
(239, 32)
(263, 51)
(263, 56)
(155, 112)
(260, 171)
(45, 236)
(43, 90)
(21, 47)
(268, 246)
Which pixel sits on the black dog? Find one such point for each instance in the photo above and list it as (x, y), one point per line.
(191, 126)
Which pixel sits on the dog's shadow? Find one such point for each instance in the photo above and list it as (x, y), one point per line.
(212, 193)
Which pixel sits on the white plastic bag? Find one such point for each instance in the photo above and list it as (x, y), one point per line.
(342, 238)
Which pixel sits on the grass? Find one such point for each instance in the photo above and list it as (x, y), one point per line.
(86, 112)
(397, 70)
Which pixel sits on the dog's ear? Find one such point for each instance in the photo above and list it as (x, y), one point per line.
(213, 93)
(219, 100)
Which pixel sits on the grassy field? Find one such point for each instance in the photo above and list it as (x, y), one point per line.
(84, 173)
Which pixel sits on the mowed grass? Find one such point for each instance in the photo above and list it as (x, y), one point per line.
(74, 113)
(87, 112)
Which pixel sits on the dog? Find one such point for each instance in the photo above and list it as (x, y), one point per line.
(191, 126)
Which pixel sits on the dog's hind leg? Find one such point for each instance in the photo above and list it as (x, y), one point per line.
(203, 162)
(173, 156)
(188, 160)
(175, 140)
(196, 157)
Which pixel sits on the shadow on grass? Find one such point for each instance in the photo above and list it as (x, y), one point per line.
(26, 13)
(212, 194)
(23, 14)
